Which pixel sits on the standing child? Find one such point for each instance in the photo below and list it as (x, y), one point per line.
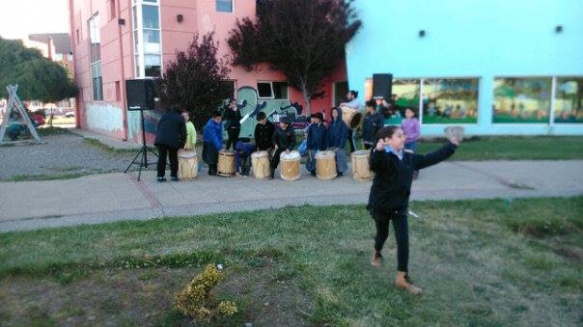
(170, 136)
(317, 140)
(337, 134)
(232, 123)
(190, 144)
(411, 127)
(213, 142)
(389, 194)
(373, 122)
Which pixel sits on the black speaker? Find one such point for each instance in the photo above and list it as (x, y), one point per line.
(382, 86)
(140, 94)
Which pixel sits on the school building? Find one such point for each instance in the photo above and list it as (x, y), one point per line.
(119, 40)
(494, 67)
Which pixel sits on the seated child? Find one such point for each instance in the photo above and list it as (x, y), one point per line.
(243, 157)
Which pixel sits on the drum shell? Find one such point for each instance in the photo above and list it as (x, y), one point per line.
(361, 166)
(290, 166)
(261, 165)
(187, 165)
(226, 165)
(326, 165)
(351, 117)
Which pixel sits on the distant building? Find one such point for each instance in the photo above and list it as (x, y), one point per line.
(119, 40)
(496, 67)
(56, 47)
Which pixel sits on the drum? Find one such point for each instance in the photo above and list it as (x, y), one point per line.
(360, 165)
(290, 166)
(226, 166)
(326, 165)
(187, 164)
(351, 117)
(260, 164)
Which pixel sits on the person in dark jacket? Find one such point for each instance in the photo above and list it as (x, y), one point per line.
(390, 190)
(263, 133)
(337, 134)
(232, 117)
(170, 136)
(373, 122)
(284, 140)
(317, 140)
(213, 142)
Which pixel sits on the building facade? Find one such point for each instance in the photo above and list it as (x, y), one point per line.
(118, 40)
(495, 67)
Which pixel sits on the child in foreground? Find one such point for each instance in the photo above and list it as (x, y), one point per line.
(389, 194)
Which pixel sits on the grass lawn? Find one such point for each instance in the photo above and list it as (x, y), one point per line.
(514, 148)
(479, 262)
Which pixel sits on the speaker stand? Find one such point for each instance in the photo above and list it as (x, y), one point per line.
(143, 162)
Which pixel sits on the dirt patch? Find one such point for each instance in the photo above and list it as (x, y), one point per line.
(144, 297)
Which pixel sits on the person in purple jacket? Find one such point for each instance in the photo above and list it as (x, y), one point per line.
(412, 129)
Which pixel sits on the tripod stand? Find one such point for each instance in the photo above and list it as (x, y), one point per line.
(143, 162)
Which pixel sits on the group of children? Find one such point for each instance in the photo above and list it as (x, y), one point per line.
(392, 159)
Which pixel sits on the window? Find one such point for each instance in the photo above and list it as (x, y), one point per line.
(272, 90)
(340, 91)
(147, 40)
(224, 5)
(436, 100)
(112, 11)
(522, 100)
(446, 101)
(95, 57)
(568, 106)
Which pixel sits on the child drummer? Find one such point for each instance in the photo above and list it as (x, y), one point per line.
(284, 140)
(213, 142)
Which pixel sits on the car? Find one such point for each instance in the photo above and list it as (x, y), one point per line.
(70, 114)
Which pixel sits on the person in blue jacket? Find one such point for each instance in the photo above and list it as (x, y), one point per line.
(337, 135)
(243, 157)
(170, 136)
(213, 142)
(317, 140)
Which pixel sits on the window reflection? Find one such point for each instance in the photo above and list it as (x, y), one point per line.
(448, 101)
(522, 100)
(569, 100)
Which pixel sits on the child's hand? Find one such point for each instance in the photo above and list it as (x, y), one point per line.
(380, 145)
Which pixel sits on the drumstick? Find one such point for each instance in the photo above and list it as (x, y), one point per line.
(413, 214)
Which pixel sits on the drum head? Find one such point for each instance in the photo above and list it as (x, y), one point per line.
(290, 156)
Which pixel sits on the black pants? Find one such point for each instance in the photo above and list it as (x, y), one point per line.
(172, 153)
(275, 159)
(401, 226)
(233, 133)
(351, 140)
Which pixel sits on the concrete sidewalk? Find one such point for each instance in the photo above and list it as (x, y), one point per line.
(112, 197)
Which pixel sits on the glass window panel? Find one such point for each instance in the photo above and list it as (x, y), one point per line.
(280, 90)
(522, 100)
(152, 60)
(340, 91)
(450, 101)
(153, 71)
(225, 5)
(569, 100)
(264, 90)
(150, 17)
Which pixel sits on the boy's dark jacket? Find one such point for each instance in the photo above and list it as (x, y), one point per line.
(285, 139)
(263, 136)
(391, 186)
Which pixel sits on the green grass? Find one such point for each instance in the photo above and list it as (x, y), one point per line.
(481, 263)
(514, 148)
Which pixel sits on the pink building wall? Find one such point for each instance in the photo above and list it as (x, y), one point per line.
(110, 116)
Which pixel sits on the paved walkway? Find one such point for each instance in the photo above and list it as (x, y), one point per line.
(117, 196)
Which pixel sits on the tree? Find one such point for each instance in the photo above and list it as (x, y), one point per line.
(197, 80)
(38, 77)
(304, 39)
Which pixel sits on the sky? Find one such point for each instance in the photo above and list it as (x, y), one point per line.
(18, 18)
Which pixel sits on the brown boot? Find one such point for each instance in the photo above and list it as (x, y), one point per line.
(405, 283)
(377, 259)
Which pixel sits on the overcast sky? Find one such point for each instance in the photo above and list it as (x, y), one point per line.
(19, 18)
